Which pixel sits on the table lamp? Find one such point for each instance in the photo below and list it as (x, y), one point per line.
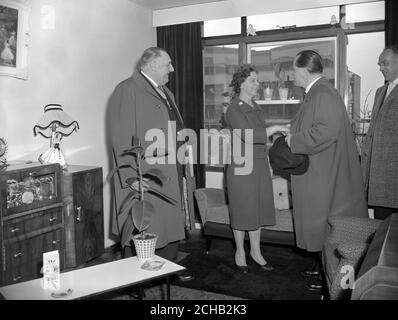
(55, 124)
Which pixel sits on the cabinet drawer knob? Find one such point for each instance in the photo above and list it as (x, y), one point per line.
(16, 255)
(52, 219)
(17, 278)
(56, 241)
(79, 213)
(13, 230)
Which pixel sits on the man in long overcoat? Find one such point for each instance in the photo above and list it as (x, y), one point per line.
(333, 184)
(138, 104)
(379, 152)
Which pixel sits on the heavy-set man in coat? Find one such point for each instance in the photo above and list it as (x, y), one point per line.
(379, 152)
(138, 104)
(333, 184)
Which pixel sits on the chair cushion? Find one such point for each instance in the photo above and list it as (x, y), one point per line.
(284, 221)
(218, 214)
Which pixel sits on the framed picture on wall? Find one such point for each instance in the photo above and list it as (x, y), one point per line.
(14, 34)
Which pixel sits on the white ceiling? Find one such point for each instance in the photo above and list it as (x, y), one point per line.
(164, 4)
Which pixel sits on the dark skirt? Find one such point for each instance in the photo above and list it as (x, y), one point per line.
(250, 197)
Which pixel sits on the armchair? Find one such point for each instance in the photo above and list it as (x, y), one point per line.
(346, 245)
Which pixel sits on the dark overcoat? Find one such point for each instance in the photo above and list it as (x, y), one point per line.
(251, 202)
(379, 159)
(333, 184)
(135, 107)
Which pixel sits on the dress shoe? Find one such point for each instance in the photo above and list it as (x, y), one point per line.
(315, 286)
(311, 274)
(242, 269)
(186, 276)
(265, 267)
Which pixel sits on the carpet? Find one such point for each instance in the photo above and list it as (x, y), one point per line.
(215, 272)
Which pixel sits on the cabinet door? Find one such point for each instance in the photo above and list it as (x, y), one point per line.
(88, 213)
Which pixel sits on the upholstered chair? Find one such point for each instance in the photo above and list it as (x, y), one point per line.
(344, 250)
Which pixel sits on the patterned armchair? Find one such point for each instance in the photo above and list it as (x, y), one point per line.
(346, 245)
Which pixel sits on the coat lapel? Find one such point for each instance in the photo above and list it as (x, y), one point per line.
(392, 94)
(379, 101)
(144, 84)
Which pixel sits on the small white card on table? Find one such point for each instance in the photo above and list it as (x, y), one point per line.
(51, 271)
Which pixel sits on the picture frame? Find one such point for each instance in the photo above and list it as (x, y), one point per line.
(14, 33)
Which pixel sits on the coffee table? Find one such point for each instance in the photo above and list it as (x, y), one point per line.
(91, 281)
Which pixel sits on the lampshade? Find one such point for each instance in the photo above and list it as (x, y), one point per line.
(54, 114)
(54, 124)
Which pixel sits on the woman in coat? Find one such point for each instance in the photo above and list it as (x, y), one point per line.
(250, 196)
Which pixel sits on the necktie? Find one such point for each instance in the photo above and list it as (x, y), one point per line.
(161, 92)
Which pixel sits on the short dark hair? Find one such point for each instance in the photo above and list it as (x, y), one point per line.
(240, 76)
(148, 55)
(393, 48)
(311, 60)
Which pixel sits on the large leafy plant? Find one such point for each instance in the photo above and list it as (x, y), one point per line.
(139, 208)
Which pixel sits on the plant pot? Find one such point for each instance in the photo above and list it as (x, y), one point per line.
(145, 245)
(283, 93)
(268, 93)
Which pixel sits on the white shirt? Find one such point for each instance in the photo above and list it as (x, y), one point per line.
(311, 84)
(150, 79)
(156, 86)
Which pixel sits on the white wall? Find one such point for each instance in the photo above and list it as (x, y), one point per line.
(94, 45)
(237, 8)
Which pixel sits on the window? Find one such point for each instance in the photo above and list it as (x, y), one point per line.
(220, 63)
(278, 95)
(298, 18)
(365, 77)
(221, 27)
(360, 12)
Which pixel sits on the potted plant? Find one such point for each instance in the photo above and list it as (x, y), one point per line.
(140, 209)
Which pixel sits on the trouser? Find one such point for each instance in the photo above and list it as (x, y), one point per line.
(383, 212)
(169, 252)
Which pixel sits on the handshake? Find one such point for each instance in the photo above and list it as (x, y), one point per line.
(278, 129)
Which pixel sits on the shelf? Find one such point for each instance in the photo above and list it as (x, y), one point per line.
(289, 101)
(277, 121)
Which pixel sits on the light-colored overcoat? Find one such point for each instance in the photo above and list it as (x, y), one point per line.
(135, 107)
(379, 158)
(333, 184)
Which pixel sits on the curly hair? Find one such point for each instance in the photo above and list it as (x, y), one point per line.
(240, 76)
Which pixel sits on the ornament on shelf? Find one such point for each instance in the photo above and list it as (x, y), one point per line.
(250, 30)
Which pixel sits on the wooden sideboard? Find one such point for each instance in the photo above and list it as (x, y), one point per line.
(43, 208)
(83, 214)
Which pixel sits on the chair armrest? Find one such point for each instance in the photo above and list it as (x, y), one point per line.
(352, 251)
(350, 254)
(352, 229)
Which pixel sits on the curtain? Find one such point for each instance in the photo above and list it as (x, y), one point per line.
(183, 43)
(391, 22)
